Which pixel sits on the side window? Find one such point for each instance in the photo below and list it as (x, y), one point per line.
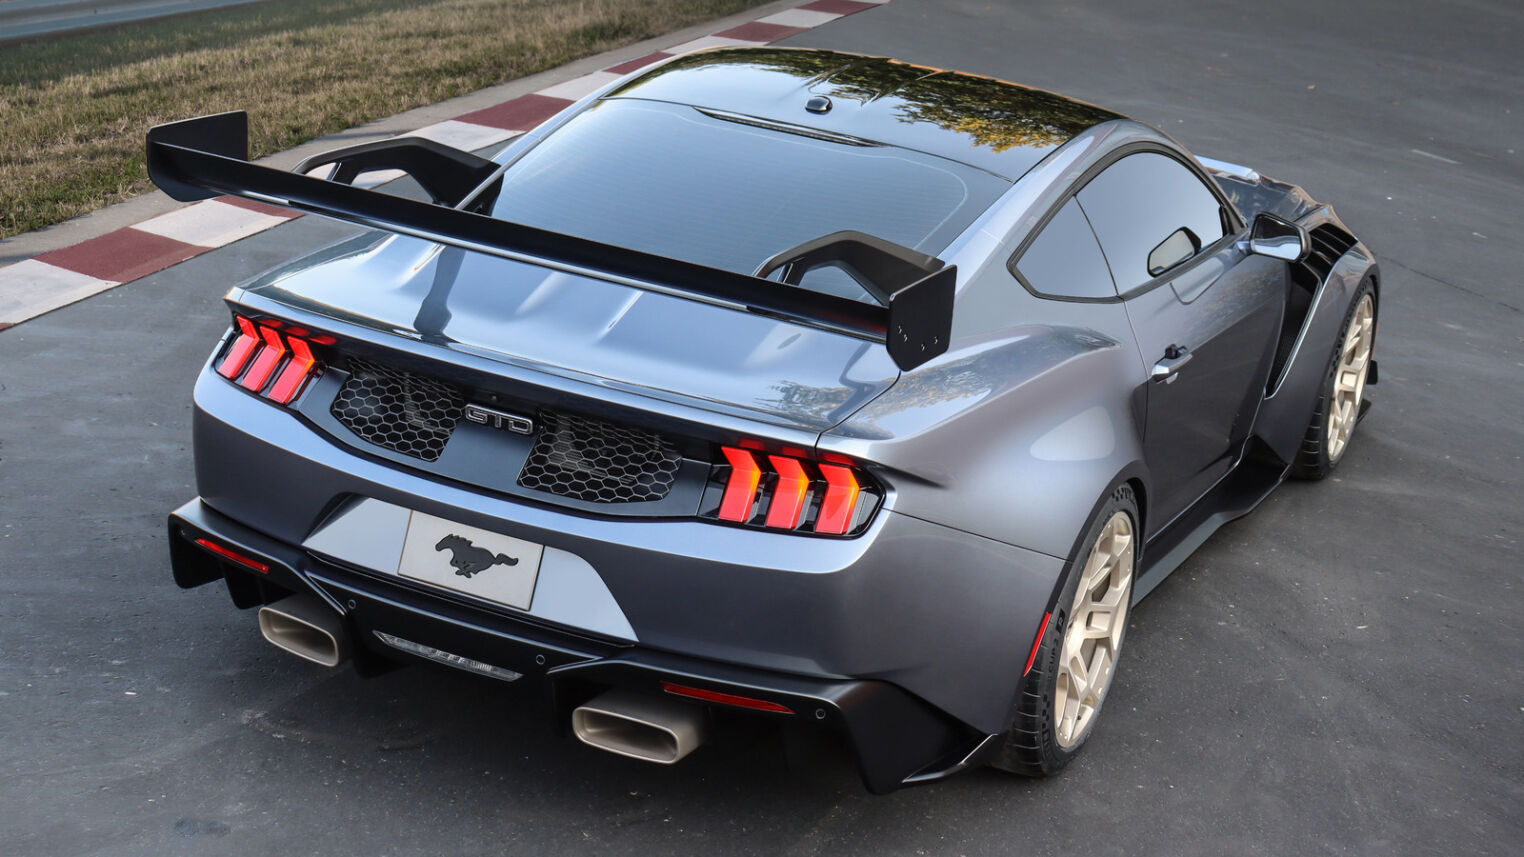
(1064, 261)
(1139, 207)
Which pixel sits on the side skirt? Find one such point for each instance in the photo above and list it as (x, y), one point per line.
(1232, 498)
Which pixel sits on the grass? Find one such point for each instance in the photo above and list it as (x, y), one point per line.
(73, 109)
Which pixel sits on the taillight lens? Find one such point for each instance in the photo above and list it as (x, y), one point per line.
(784, 492)
(277, 365)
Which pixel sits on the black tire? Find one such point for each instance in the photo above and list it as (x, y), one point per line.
(1032, 747)
(1313, 459)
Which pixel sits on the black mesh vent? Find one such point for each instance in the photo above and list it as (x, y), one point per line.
(1329, 243)
(599, 462)
(411, 414)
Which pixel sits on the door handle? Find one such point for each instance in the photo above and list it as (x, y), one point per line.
(1167, 370)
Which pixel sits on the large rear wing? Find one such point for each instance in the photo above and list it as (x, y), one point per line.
(205, 157)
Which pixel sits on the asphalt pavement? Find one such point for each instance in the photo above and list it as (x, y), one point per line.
(1339, 673)
(25, 18)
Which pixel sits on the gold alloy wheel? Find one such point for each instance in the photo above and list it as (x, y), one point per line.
(1349, 378)
(1094, 632)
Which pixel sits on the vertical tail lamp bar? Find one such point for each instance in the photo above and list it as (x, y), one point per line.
(840, 500)
(265, 361)
(741, 489)
(793, 486)
(240, 351)
(295, 375)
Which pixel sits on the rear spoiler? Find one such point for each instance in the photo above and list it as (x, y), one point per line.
(206, 157)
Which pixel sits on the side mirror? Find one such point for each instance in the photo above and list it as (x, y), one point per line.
(1179, 247)
(1278, 238)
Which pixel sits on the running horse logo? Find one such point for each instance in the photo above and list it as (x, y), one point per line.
(468, 559)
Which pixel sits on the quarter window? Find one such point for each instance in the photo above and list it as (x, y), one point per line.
(1064, 261)
(1141, 201)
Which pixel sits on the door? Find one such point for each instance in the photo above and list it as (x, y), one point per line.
(1203, 313)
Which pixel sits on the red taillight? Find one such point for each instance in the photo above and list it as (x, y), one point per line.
(793, 486)
(298, 370)
(800, 495)
(240, 351)
(840, 501)
(261, 352)
(230, 554)
(265, 360)
(716, 696)
(741, 489)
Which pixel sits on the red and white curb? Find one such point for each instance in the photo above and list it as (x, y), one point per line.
(58, 278)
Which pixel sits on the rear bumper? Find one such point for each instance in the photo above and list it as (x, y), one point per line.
(896, 738)
(946, 615)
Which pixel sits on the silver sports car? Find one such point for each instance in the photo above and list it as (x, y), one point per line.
(840, 391)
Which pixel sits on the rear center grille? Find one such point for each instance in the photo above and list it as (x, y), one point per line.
(573, 456)
(407, 413)
(599, 462)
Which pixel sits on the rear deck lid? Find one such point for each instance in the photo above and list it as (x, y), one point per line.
(663, 347)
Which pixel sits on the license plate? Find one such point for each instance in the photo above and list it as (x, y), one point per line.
(467, 559)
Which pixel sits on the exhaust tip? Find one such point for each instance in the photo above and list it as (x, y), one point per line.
(639, 726)
(307, 628)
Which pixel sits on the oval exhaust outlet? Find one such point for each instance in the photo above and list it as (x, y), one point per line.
(306, 627)
(649, 728)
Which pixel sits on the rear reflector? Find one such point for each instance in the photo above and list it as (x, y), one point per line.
(741, 489)
(725, 698)
(230, 554)
(840, 502)
(1037, 642)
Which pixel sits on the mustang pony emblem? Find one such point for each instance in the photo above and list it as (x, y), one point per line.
(468, 559)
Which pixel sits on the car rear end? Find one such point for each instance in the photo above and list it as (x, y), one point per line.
(680, 545)
(542, 474)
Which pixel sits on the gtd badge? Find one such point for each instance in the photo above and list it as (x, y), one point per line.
(499, 419)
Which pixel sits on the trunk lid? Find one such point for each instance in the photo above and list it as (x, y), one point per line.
(667, 348)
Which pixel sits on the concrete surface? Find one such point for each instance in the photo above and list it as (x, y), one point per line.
(1339, 673)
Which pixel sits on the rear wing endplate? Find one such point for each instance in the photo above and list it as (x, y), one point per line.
(206, 157)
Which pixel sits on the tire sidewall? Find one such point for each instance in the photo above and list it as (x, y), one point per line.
(1041, 683)
(1313, 461)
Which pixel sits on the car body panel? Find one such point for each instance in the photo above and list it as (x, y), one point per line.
(872, 606)
(1291, 402)
(518, 313)
(1198, 420)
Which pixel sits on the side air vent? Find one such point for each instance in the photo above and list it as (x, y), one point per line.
(1329, 243)
(599, 462)
(407, 413)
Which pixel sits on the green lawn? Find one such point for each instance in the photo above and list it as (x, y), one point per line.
(73, 108)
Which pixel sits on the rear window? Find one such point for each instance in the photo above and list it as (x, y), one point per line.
(671, 180)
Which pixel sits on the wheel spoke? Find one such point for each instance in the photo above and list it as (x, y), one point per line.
(1349, 378)
(1098, 672)
(1097, 618)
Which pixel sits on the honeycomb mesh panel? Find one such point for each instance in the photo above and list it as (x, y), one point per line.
(599, 462)
(408, 413)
